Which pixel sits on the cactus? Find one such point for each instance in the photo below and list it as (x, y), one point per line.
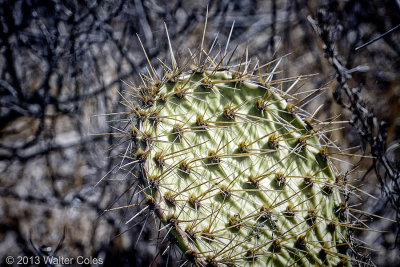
(237, 173)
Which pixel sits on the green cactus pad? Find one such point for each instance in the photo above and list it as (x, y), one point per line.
(234, 174)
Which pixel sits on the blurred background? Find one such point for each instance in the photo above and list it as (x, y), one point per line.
(62, 63)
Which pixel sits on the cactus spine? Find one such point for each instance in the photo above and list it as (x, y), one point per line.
(237, 174)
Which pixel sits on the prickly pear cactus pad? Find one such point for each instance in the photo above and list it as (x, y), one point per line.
(237, 173)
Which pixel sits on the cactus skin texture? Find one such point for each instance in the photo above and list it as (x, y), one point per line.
(236, 173)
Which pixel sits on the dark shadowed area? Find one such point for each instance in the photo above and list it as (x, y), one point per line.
(62, 64)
